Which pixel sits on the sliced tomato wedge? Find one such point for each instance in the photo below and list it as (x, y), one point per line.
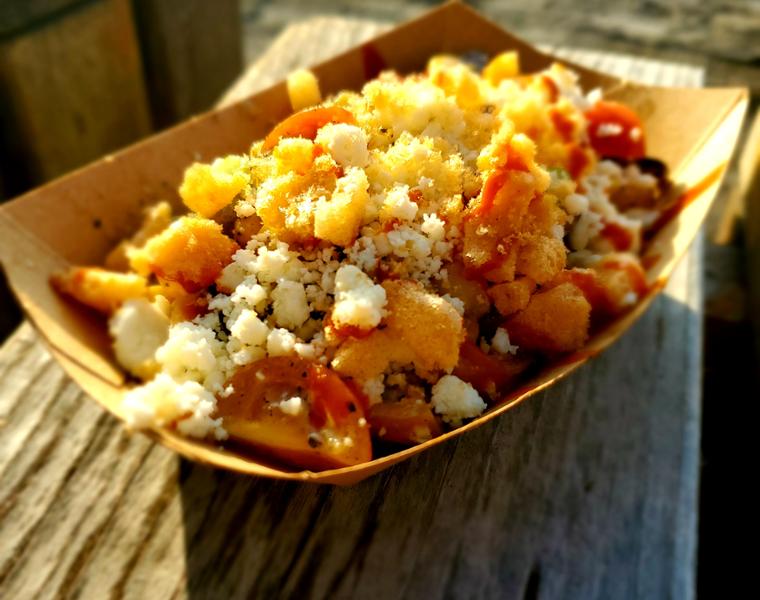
(327, 432)
(615, 131)
(486, 373)
(306, 124)
(405, 422)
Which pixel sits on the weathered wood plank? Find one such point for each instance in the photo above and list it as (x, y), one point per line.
(191, 53)
(587, 490)
(59, 114)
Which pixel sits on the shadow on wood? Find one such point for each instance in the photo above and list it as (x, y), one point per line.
(586, 490)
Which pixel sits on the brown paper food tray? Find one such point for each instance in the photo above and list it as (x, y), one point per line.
(78, 218)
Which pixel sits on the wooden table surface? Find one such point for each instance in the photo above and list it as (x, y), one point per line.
(588, 490)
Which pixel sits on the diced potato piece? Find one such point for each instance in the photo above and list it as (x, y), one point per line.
(156, 219)
(192, 251)
(456, 79)
(338, 219)
(502, 66)
(421, 328)
(469, 291)
(98, 288)
(556, 320)
(541, 258)
(207, 189)
(303, 89)
(512, 296)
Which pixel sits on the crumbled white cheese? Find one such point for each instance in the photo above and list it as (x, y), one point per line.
(249, 329)
(455, 302)
(291, 308)
(575, 204)
(358, 301)
(501, 344)
(249, 292)
(433, 227)
(456, 400)
(191, 353)
(280, 342)
(398, 205)
(138, 329)
(164, 400)
(347, 144)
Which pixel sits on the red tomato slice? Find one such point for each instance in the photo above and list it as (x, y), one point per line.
(615, 131)
(306, 123)
(325, 434)
(406, 422)
(488, 374)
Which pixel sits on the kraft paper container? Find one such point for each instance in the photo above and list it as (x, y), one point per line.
(78, 218)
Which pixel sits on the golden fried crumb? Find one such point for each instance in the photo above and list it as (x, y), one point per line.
(541, 258)
(556, 320)
(207, 189)
(512, 296)
(156, 218)
(98, 288)
(192, 251)
(420, 328)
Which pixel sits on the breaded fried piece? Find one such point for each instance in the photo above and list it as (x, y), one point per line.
(471, 292)
(421, 328)
(156, 218)
(207, 189)
(338, 219)
(512, 296)
(556, 320)
(192, 251)
(612, 286)
(98, 288)
(541, 258)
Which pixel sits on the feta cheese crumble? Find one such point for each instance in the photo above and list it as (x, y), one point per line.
(358, 301)
(456, 400)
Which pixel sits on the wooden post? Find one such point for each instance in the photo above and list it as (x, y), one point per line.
(72, 88)
(191, 50)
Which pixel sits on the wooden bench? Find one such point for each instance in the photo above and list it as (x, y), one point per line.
(587, 490)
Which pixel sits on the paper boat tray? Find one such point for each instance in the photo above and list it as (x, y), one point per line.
(78, 218)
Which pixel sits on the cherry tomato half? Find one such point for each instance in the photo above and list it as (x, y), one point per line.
(615, 131)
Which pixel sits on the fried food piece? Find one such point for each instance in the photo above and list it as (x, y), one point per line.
(502, 66)
(541, 258)
(338, 219)
(497, 216)
(155, 220)
(99, 288)
(420, 328)
(207, 189)
(303, 89)
(556, 320)
(612, 286)
(471, 292)
(512, 296)
(192, 251)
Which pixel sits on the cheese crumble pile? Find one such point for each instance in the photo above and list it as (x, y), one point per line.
(426, 240)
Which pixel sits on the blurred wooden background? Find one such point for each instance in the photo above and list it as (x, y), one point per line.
(80, 78)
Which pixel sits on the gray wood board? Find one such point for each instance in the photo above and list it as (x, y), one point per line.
(588, 490)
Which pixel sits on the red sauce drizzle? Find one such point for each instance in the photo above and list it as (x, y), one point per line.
(564, 126)
(685, 199)
(620, 238)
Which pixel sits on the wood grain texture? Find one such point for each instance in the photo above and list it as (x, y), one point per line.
(586, 491)
(72, 90)
(191, 52)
